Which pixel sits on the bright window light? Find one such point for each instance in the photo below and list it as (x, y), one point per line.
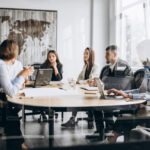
(133, 23)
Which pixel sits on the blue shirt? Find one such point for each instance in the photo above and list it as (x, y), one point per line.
(11, 88)
(143, 92)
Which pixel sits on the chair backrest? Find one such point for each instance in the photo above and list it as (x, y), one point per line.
(36, 65)
(138, 78)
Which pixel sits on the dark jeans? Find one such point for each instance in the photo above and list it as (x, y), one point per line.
(11, 125)
(99, 120)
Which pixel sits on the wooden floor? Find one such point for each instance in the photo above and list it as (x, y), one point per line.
(36, 134)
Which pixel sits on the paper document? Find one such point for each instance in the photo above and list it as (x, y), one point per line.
(48, 92)
(89, 88)
(56, 83)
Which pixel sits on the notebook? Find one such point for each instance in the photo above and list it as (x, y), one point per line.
(41, 77)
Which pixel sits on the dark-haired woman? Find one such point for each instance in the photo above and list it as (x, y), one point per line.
(89, 71)
(11, 88)
(53, 62)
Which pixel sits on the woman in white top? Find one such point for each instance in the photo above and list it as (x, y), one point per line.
(89, 71)
(11, 87)
(16, 66)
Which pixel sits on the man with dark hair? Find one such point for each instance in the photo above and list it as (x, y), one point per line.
(115, 67)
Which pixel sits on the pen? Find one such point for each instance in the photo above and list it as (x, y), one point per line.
(62, 89)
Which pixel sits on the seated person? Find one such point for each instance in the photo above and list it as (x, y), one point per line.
(88, 72)
(13, 70)
(16, 66)
(53, 62)
(114, 63)
(111, 69)
(118, 126)
(11, 88)
(141, 93)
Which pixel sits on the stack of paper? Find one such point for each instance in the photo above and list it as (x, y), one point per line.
(90, 90)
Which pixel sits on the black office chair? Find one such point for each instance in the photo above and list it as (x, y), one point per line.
(138, 78)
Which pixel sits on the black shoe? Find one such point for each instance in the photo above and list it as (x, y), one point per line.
(69, 124)
(90, 125)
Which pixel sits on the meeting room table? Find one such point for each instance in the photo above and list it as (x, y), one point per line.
(53, 97)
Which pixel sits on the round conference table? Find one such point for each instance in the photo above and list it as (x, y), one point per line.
(75, 99)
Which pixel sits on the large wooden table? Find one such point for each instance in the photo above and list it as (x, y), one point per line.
(76, 101)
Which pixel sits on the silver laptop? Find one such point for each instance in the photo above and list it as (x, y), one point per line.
(101, 90)
(42, 77)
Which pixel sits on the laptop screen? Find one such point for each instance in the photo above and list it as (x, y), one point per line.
(43, 77)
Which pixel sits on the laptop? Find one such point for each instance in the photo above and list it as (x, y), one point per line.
(41, 77)
(100, 88)
(101, 91)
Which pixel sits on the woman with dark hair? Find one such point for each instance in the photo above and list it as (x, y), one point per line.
(11, 88)
(53, 62)
(88, 72)
(89, 69)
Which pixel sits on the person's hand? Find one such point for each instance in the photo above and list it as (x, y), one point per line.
(54, 65)
(27, 71)
(113, 91)
(91, 82)
(118, 92)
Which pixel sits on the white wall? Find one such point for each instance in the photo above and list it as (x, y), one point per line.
(112, 20)
(101, 29)
(73, 31)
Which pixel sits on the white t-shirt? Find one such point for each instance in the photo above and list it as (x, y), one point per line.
(14, 69)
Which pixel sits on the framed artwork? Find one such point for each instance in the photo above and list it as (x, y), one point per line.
(34, 30)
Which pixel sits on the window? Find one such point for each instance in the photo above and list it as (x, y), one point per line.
(133, 21)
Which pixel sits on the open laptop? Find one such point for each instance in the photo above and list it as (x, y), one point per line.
(101, 91)
(41, 77)
(100, 88)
